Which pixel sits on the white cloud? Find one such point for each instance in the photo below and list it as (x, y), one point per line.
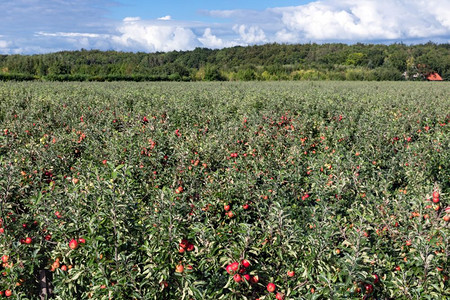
(285, 36)
(4, 44)
(209, 40)
(71, 34)
(131, 19)
(166, 18)
(154, 36)
(250, 34)
(366, 20)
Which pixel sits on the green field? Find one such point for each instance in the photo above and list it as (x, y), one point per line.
(153, 190)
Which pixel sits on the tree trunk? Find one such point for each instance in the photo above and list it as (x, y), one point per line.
(45, 285)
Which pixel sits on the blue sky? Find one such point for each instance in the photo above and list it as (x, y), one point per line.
(190, 10)
(42, 26)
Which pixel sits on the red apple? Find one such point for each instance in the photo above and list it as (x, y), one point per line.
(179, 268)
(73, 244)
(376, 279)
(271, 287)
(229, 269)
(190, 247)
(234, 266)
(369, 288)
(245, 263)
(279, 296)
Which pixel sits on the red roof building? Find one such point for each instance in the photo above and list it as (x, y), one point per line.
(433, 76)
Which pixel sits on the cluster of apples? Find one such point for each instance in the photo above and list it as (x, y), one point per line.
(239, 272)
(436, 199)
(185, 245)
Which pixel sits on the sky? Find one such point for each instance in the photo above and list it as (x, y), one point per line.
(43, 26)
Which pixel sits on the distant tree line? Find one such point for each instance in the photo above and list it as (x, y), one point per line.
(263, 62)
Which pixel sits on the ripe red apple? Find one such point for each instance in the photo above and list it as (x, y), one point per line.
(5, 258)
(64, 268)
(271, 287)
(8, 293)
(28, 240)
(179, 268)
(446, 218)
(73, 244)
(255, 279)
(184, 243)
(190, 247)
(226, 207)
(247, 277)
(229, 269)
(230, 214)
(291, 273)
(245, 263)
(369, 288)
(436, 194)
(279, 296)
(81, 241)
(245, 206)
(234, 266)
(376, 279)
(237, 278)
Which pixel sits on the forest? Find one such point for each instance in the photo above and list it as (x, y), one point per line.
(269, 62)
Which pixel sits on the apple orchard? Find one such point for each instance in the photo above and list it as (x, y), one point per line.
(300, 190)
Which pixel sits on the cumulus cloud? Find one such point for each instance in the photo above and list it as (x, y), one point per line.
(154, 36)
(210, 40)
(366, 19)
(250, 34)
